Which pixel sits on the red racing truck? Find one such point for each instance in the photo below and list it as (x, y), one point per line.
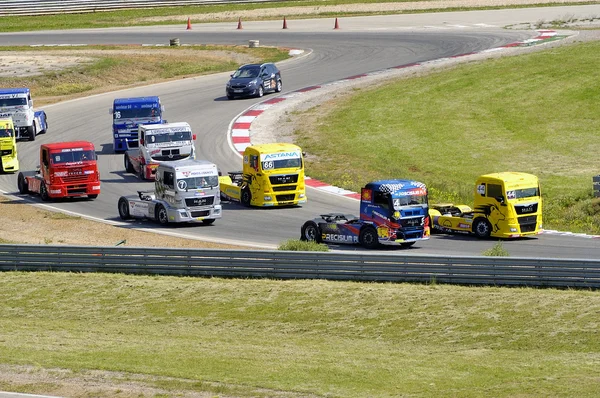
(67, 169)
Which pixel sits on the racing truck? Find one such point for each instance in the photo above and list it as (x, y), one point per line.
(272, 175)
(17, 104)
(67, 170)
(128, 114)
(159, 143)
(506, 205)
(9, 163)
(184, 191)
(392, 212)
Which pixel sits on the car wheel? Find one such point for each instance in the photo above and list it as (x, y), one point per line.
(279, 86)
(482, 228)
(261, 91)
(124, 209)
(407, 244)
(368, 238)
(128, 166)
(246, 197)
(31, 132)
(229, 96)
(44, 192)
(93, 196)
(310, 232)
(22, 184)
(208, 222)
(161, 215)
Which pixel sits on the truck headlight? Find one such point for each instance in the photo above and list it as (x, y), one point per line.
(267, 198)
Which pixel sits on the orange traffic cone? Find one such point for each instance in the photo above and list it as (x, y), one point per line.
(189, 24)
(284, 23)
(240, 23)
(336, 26)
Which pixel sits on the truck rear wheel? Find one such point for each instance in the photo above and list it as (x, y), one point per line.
(44, 192)
(161, 215)
(22, 184)
(482, 228)
(368, 238)
(124, 209)
(246, 197)
(128, 165)
(310, 232)
(31, 131)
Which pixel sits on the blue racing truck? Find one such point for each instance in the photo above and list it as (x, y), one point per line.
(128, 114)
(392, 212)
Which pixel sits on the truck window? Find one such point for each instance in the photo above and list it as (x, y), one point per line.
(494, 191)
(169, 180)
(382, 199)
(136, 112)
(45, 157)
(6, 133)
(19, 101)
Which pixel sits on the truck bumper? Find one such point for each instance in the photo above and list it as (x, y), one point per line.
(150, 171)
(74, 190)
(195, 215)
(283, 199)
(9, 164)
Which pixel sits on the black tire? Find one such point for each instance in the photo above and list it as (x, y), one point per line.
(246, 197)
(123, 206)
(128, 166)
(368, 238)
(261, 91)
(46, 122)
(31, 132)
(141, 175)
(310, 232)
(92, 196)
(279, 86)
(44, 192)
(229, 96)
(482, 228)
(406, 245)
(208, 222)
(161, 215)
(22, 184)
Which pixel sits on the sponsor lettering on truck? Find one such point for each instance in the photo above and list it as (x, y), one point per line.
(128, 114)
(272, 175)
(184, 191)
(66, 170)
(392, 212)
(159, 143)
(506, 205)
(9, 163)
(17, 104)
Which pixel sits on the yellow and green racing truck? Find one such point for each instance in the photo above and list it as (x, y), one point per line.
(272, 175)
(9, 163)
(506, 205)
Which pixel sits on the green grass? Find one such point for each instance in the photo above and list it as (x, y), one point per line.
(535, 113)
(140, 17)
(317, 338)
(299, 245)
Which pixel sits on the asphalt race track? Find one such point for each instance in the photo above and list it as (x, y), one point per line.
(362, 44)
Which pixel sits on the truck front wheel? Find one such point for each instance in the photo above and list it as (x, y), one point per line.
(310, 232)
(368, 238)
(128, 165)
(161, 215)
(22, 184)
(31, 132)
(482, 228)
(44, 192)
(124, 209)
(246, 197)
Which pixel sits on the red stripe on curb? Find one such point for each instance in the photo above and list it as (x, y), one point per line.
(405, 66)
(355, 77)
(241, 140)
(241, 126)
(315, 183)
(354, 196)
(274, 101)
(511, 45)
(253, 112)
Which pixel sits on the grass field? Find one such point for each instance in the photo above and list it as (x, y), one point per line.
(535, 113)
(305, 338)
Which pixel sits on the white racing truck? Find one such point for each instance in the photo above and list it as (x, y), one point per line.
(184, 191)
(159, 143)
(17, 104)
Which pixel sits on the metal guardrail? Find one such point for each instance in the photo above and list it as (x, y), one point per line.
(47, 7)
(472, 270)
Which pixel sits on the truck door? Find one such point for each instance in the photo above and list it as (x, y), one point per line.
(493, 205)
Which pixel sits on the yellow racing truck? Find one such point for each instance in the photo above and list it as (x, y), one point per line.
(272, 175)
(506, 205)
(9, 163)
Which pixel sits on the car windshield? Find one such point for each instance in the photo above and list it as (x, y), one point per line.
(409, 200)
(523, 193)
(282, 164)
(169, 137)
(6, 133)
(136, 113)
(73, 156)
(19, 101)
(246, 72)
(197, 182)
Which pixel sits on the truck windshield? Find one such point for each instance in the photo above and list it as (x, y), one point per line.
(19, 101)
(6, 133)
(185, 184)
(136, 113)
(523, 193)
(169, 137)
(409, 200)
(73, 156)
(282, 164)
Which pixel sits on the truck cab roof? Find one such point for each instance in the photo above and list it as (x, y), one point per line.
(137, 100)
(273, 147)
(57, 146)
(22, 90)
(164, 126)
(187, 164)
(392, 186)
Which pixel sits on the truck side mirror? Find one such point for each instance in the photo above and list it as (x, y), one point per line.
(194, 137)
(500, 200)
(30, 102)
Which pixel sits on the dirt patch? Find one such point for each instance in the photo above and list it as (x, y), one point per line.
(31, 64)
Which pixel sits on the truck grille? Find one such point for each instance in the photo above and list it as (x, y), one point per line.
(411, 222)
(285, 198)
(527, 224)
(203, 213)
(526, 209)
(200, 201)
(170, 154)
(77, 179)
(5, 152)
(284, 188)
(284, 179)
